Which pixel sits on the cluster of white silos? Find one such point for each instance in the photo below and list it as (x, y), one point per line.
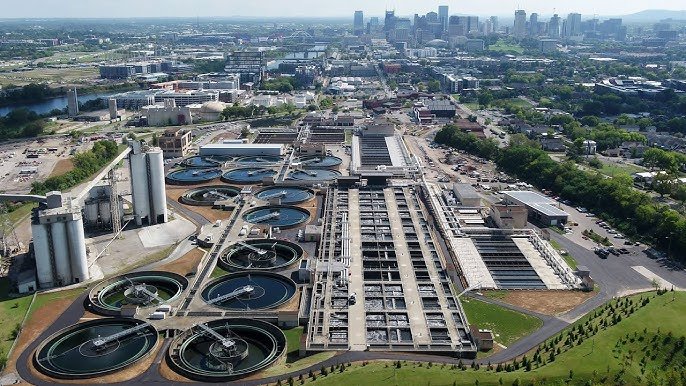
(97, 207)
(147, 184)
(59, 243)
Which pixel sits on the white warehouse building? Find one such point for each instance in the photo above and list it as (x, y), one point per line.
(242, 149)
(59, 243)
(147, 184)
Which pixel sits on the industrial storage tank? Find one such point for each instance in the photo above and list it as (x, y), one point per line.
(41, 250)
(77, 244)
(156, 182)
(139, 183)
(60, 247)
(147, 184)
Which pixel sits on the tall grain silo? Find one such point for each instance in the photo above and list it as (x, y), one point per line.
(147, 184)
(58, 242)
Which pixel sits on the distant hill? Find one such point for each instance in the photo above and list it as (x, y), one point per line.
(651, 15)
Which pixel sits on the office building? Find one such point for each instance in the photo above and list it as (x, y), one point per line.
(176, 143)
(540, 209)
(554, 27)
(358, 23)
(250, 65)
(443, 16)
(573, 25)
(533, 24)
(520, 23)
(494, 23)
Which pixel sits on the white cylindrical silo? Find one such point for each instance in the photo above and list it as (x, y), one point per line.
(159, 199)
(60, 249)
(77, 247)
(139, 186)
(41, 248)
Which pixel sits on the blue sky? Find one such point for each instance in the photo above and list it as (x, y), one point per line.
(289, 8)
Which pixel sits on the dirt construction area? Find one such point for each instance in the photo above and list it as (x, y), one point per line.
(544, 302)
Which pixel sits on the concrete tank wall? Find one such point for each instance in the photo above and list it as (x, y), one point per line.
(60, 247)
(159, 199)
(139, 186)
(77, 246)
(41, 249)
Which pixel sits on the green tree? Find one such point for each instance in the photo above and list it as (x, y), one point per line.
(434, 86)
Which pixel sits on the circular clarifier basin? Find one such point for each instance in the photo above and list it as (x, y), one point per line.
(208, 195)
(262, 254)
(95, 348)
(277, 216)
(192, 176)
(247, 175)
(142, 289)
(258, 160)
(314, 175)
(249, 291)
(320, 162)
(287, 195)
(199, 161)
(224, 350)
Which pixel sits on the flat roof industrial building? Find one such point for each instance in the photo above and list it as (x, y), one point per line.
(541, 209)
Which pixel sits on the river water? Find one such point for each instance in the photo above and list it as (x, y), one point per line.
(48, 105)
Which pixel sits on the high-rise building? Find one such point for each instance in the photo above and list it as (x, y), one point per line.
(520, 23)
(443, 16)
(358, 23)
(554, 27)
(494, 23)
(472, 24)
(533, 24)
(72, 103)
(573, 27)
(250, 65)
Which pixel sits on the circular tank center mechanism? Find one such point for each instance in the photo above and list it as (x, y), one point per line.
(314, 175)
(95, 348)
(249, 291)
(223, 350)
(192, 176)
(277, 216)
(247, 175)
(263, 254)
(286, 194)
(143, 289)
(208, 195)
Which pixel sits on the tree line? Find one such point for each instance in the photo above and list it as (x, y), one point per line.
(613, 199)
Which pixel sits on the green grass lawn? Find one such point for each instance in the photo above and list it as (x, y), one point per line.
(502, 46)
(644, 347)
(507, 325)
(12, 311)
(20, 213)
(615, 170)
(218, 272)
(568, 258)
(472, 106)
(293, 340)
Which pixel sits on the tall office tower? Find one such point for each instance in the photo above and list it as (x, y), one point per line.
(72, 103)
(573, 27)
(358, 23)
(554, 27)
(520, 23)
(472, 24)
(443, 16)
(389, 24)
(494, 23)
(533, 24)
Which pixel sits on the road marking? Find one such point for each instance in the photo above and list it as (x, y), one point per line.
(651, 276)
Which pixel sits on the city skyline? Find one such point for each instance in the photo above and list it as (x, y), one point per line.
(311, 8)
